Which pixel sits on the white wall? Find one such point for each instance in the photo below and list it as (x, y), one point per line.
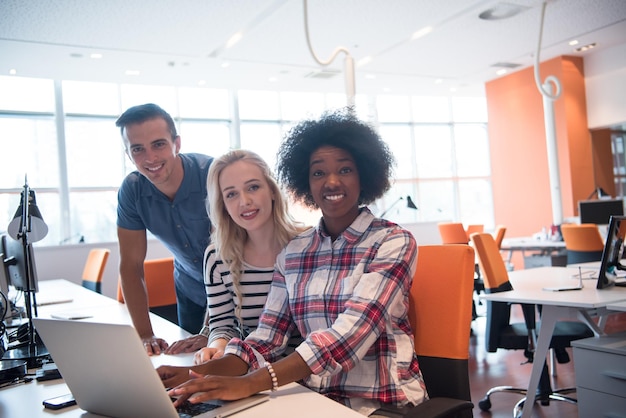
(605, 81)
(67, 262)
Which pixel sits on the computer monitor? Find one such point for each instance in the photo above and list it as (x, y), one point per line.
(612, 253)
(599, 211)
(15, 264)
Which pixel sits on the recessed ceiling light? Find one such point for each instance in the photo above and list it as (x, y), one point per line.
(364, 61)
(273, 79)
(502, 10)
(234, 39)
(225, 64)
(573, 42)
(501, 71)
(12, 71)
(95, 56)
(421, 32)
(370, 76)
(585, 47)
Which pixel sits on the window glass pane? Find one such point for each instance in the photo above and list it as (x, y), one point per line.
(394, 205)
(476, 202)
(137, 94)
(430, 109)
(26, 94)
(398, 137)
(259, 105)
(204, 103)
(298, 105)
(94, 216)
(433, 150)
(95, 153)
(437, 200)
(90, 98)
(469, 109)
(205, 138)
(472, 150)
(393, 108)
(262, 138)
(29, 148)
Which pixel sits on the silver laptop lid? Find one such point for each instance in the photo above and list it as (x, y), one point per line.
(109, 373)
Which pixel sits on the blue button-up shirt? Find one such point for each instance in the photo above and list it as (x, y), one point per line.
(182, 225)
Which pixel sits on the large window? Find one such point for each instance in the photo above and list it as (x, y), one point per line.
(62, 135)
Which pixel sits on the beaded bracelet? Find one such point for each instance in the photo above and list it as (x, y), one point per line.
(270, 369)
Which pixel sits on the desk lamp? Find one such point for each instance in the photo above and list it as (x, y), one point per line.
(28, 226)
(409, 204)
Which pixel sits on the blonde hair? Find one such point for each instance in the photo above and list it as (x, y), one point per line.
(228, 237)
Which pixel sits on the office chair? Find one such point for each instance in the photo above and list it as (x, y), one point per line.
(502, 333)
(455, 233)
(473, 228)
(498, 235)
(159, 277)
(452, 233)
(439, 313)
(94, 269)
(479, 283)
(583, 242)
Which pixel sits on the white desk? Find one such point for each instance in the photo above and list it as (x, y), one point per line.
(583, 304)
(523, 244)
(619, 306)
(25, 399)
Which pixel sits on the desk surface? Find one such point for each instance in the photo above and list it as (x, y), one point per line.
(618, 306)
(530, 243)
(528, 287)
(25, 399)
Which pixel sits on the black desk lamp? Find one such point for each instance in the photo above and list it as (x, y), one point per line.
(599, 193)
(409, 204)
(28, 226)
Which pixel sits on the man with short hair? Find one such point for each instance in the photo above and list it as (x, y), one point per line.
(166, 196)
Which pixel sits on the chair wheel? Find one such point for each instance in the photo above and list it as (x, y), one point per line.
(484, 404)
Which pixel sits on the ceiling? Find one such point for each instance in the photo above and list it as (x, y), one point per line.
(184, 42)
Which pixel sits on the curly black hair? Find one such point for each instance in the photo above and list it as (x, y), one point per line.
(342, 129)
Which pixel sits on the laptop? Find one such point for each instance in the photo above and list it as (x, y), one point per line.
(109, 373)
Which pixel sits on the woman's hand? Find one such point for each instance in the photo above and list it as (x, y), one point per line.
(203, 388)
(188, 345)
(207, 353)
(154, 345)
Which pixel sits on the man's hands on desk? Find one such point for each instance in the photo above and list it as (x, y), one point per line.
(154, 345)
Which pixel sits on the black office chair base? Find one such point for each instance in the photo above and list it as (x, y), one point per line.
(543, 398)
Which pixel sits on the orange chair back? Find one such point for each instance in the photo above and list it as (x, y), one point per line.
(452, 233)
(94, 266)
(441, 300)
(499, 235)
(159, 276)
(491, 262)
(582, 237)
(471, 229)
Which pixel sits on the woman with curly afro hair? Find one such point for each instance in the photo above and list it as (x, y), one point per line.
(343, 285)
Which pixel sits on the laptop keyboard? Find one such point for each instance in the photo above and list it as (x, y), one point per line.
(188, 409)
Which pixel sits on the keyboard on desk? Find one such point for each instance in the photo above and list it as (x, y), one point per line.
(188, 409)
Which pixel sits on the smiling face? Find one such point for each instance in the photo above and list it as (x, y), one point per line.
(247, 196)
(335, 187)
(150, 146)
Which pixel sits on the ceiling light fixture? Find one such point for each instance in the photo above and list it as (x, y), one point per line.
(501, 71)
(95, 56)
(585, 47)
(502, 10)
(573, 42)
(234, 39)
(364, 60)
(12, 71)
(421, 33)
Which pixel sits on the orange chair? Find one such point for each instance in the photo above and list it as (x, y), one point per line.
(452, 233)
(472, 229)
(502, 333)
(498, 235)
(94, 269)
(439, 312)
(159, 277)
(583, 242)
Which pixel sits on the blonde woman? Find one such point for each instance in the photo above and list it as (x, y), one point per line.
(251, 226)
